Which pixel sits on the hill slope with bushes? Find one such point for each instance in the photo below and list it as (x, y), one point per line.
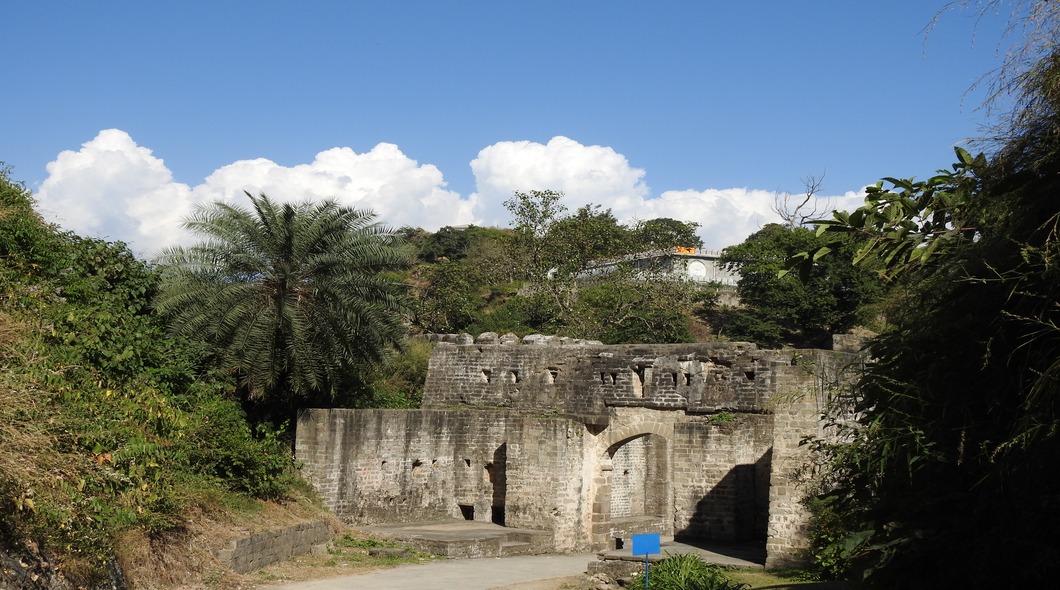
(110, 429)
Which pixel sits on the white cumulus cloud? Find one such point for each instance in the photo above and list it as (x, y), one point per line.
(725, 216)
(115, 189)
(600, 175)
(585, 174)
(118, 190)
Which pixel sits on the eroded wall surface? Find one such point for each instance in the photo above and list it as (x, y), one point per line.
(588, 441)
(517, 469)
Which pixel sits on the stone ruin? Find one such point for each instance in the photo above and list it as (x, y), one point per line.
(586, 443)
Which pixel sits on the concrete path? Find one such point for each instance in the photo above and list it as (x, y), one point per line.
(457, 574)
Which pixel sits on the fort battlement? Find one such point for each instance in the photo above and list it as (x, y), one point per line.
(589, 442)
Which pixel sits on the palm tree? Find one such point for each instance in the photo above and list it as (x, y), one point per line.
(290, 298)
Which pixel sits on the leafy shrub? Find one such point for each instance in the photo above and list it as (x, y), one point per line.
(685, 572)
(832, 544)
(452, 298)
(399, 382)
(521, 315)
(105, 422)
(26, 242)
(257, 462)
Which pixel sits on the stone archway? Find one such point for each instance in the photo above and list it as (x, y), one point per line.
(633, 485)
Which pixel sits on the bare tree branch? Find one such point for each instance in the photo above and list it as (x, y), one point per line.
(797, 211)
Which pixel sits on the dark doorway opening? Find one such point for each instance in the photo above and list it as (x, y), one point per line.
(498, 476)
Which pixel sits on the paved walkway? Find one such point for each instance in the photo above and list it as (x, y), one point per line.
(486, 573)
(458, 574)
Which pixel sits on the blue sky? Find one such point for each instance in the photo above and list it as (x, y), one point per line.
(122, 116)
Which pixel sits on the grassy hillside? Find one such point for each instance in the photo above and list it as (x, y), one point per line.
(109, 429)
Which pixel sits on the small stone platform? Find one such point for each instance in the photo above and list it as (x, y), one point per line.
(464, 538)
(620, 563)
(724, 554)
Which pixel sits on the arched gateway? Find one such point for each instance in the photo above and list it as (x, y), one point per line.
(585, 442)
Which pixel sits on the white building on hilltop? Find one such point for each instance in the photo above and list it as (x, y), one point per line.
(693, 264)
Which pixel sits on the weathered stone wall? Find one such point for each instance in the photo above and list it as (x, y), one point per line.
(405, 466)
(629, 479)
(266, 548)
(583, 380)
(721, 477)
(590, 442)
(810, 378)
(513, 376)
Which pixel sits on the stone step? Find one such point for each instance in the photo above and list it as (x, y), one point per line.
(514, 548)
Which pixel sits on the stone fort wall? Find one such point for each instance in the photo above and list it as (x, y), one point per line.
(519, 470)
(590, 442)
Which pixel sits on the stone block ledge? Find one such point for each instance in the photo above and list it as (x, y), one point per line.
(266, 548)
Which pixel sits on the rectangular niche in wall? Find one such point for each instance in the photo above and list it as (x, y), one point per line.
(497, 472)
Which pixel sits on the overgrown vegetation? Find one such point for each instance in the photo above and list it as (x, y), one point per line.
(536, 276)
(778, 310)
(684, 571)
(948, 478)
(106, 422)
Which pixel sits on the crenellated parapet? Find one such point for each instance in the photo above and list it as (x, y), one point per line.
(583, 379)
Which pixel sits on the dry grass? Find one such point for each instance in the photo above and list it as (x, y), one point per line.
(185, 560)
(32, 471)
(28, 461)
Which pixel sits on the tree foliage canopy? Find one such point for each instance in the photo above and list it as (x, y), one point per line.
(949, 478)
(779, 309)
(531, 278)
(664, 232)
(621, 306)
(291, 298)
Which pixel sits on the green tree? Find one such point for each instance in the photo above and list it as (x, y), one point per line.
(623, 305)
(489, 254)
(574, 241)
(533, 215)
(290, 297)
(461, 273)
(635, 308)
(399, 381)
(782, 310)
(555, 248)
(664, 232)
(449, 243)
(948, 478)
(451, 299)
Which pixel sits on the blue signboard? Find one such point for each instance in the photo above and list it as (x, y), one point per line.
(646, 544)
